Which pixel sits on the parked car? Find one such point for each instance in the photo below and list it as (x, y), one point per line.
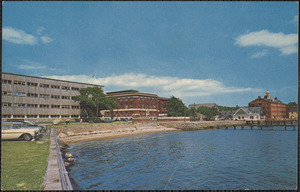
(107, 120)
(33, 124)
(18, 130)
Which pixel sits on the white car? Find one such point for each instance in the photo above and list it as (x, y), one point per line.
(17, 130)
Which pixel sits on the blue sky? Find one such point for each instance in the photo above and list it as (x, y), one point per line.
(202, 52)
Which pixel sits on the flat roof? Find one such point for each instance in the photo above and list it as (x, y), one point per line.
(52, 79)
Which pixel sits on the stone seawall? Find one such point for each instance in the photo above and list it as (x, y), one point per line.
(201, 125)
(86, 132)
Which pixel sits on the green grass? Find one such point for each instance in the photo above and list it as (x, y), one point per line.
(23, 164)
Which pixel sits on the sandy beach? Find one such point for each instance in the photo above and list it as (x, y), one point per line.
(90, 132)
(82, 133)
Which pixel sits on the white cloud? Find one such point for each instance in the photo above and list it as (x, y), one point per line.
(45, 39)
(286, 43)
(30, 65)
(165, 86)
(18, 36)
(259, 54)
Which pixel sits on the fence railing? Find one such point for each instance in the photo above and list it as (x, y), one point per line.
(63, 174)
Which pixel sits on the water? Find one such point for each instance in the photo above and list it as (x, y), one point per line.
(191, 160)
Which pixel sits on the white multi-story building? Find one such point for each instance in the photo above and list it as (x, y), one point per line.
(39, 99)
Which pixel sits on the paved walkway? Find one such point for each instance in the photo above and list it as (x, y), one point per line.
(51, 178)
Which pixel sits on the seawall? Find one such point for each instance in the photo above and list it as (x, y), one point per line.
(87, 132)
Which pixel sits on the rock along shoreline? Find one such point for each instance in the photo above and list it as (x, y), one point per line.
(86, 132)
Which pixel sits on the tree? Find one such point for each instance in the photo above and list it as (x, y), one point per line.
(175, 107)
(92, 100)
(208, 112)
(110, 105)
(192, 113)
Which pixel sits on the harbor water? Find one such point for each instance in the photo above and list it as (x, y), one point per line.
(215, 159)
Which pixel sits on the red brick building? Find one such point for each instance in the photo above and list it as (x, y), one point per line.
(271, 107)
(132, 103)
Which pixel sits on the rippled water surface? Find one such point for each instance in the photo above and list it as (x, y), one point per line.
(211, 159)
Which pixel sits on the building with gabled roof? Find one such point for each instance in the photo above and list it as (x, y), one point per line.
(271, 107)
(248, 113)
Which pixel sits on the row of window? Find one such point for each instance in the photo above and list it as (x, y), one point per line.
(22, 94)
(5, 104)
(40, 116)
(143, 106)
(41, 85)
(130, 113)
(139, 98)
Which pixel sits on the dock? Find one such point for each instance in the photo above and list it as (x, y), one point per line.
(267, 124)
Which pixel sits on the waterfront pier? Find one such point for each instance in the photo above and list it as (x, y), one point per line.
(267, 124)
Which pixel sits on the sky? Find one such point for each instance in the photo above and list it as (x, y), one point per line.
(227, 53)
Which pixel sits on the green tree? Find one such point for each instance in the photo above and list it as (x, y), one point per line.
(192, 113)
(175, 107)
(110, 105)
(92, 100)
(208, 112)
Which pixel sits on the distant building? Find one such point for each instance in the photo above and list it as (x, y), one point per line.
(271, 107)
(226, 115)
(248, 113)
(292, 111)
(210, 105)
(132, 103)
(39, 99)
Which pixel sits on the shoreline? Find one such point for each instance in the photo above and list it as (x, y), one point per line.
(84, 133)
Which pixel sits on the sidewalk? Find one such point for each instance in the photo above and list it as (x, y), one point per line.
(51, 178)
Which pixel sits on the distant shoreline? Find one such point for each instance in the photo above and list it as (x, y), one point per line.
(84, 133)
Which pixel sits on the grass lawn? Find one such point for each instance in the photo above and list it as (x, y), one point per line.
(23, 164)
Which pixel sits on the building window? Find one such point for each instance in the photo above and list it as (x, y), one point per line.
(6, 104)
(32, 95)
(7, 93)
(6, 81)
(75, 89)
(6, 116)
(19, 116)
(44, 95)
(55, 96)
(18, 105)
(32, 105)
(74, 116)
(65, 106)
(65, 116)
(32, 116)
(44, 85)
(131, 98)
(21, 94)
(44, 106)
(19, 82)
(65, 97)
(65, 87)
(54, 116)
(55, 106)
(75, 107)
(55, 86)
(44, 116)
(32, 84)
